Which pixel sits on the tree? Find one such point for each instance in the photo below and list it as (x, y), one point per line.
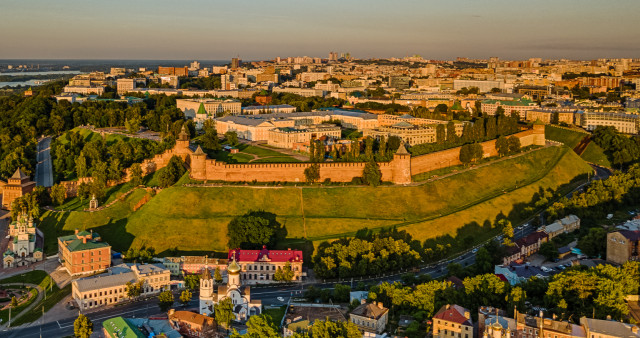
(14, 302)
(499, 111)
(452, 137)
(341, 293)
(312, 173)
(217, 276)
(136, 175)
(231, 137)
(502, 146)
(58, 194)
(261, 326)
(223, 312)
(133, 125)
(514, 144)
(285, 274)
(484, 261)
(192, 281)
(210, 138)
(165, 300)
(371, 174)
(594, 244)
(134, 290)
(255, 229)
(507, 231)
(455, 269)
(548, 250)
(81, 165)
(185, 297)
(172, 172)
(441, 133)
(82, 327)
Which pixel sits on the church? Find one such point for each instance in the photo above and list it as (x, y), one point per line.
(26, 243)
(210, 295)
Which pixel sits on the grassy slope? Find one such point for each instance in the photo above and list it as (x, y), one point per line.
(593, 153)
(569, 137)
(195, 219)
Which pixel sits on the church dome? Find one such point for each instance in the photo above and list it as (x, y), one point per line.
(233, 267)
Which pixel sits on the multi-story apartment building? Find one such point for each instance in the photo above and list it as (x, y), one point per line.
(547, 115)
(177, 71)
(519, 106)
(623, 246)
(84, 90)
(260, 266)
(83, 253)
(370, 317)
(286, 137)
(111, 287)
(564, 225)
(407, 132)
(268, 109)
(623, 122)
(212, 107)
(453, 321)
(306, 92)
(188, 265)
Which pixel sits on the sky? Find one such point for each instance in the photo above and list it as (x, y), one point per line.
(258, 30)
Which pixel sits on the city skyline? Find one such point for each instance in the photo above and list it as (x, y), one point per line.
(203, 30)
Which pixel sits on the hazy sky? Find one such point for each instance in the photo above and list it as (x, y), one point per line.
(211, 29)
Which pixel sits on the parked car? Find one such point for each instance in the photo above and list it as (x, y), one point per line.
(280, 299)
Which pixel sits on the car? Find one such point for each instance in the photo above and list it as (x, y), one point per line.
(8, 236)
(474, 250)
(280, 299)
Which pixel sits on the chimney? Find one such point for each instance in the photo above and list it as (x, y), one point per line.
(76, 231)
(363, 301)
(171, 312)
(380, 306)
(84, 240)
(634, 329)
(554, 316)
(447, 306)
(467, 314)
(608, 317)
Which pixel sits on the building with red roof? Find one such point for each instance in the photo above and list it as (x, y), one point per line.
(260, 266)
(453, 321)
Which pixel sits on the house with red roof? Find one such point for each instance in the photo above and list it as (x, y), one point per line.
(261, 266)
(453, 321)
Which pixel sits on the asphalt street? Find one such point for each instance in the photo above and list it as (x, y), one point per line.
(44, 168)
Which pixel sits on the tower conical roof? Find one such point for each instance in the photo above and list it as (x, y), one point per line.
(199, 151)
(201, 109)
(19, 174)
(402, 150)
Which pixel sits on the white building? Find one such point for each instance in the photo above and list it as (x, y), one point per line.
(210, 295)
(25, 246)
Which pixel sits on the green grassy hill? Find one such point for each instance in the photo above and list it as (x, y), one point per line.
(195, 219)
(593, 153)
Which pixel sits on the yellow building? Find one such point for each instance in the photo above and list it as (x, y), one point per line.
(407, 132)
(453, 321)
(286, 137)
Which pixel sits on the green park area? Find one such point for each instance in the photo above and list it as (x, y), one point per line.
(571, 137)
(194, 219)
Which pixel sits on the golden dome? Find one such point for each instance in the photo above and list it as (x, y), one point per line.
(233, 268)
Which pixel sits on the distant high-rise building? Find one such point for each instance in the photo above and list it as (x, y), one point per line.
(333, 56)
(235, 63)
(194, 65)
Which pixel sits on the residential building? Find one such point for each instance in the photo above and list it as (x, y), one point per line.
(128, 85)
(525, 247)
(18, 185)
(548, 115)
(370, 317)
(84, 90)
(519, 106)
(25, 245)
(189, 265)
(191, 324)
(515, 273)
(598, 328)
(484, 86)
(453, 321)
(400, 82)
(286, 137)
(260, 266)
(623, 246)
(268, 109)
(111, 287)
(177, 71)
(211, 107)
(240, 295)
(306, 92)
(533, 327)
(623, 122)
(561, 226)
(83, 253)
(407, 132)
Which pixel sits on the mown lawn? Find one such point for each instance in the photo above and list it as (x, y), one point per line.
(277, 159)
(569, 137)
(195, 219)
(594, 154)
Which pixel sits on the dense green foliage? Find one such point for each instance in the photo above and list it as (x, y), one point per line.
(172, 172)
(621, 150)
(255, 229)
(165, 300)
(371, 174)
(300, 102)
(82, 327)
(367, 254)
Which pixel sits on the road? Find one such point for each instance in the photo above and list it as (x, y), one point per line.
(269, 295)
(44, 168)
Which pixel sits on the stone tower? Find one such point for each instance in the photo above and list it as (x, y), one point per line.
(539, 138)
(182, 143)
(401, 166)
(198, 165)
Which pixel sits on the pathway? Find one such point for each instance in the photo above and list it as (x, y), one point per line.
(582, 146)
(28, 308)
(44, 169)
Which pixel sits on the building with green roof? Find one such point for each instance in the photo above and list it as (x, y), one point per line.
(119, 327)
(84, 253)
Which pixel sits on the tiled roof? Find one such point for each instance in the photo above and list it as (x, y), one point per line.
(369, 310)
(191, 317)
(454, 313)
(272, 255)
(19, 175)
(531, 238)
(630, 235)
(609, 328)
